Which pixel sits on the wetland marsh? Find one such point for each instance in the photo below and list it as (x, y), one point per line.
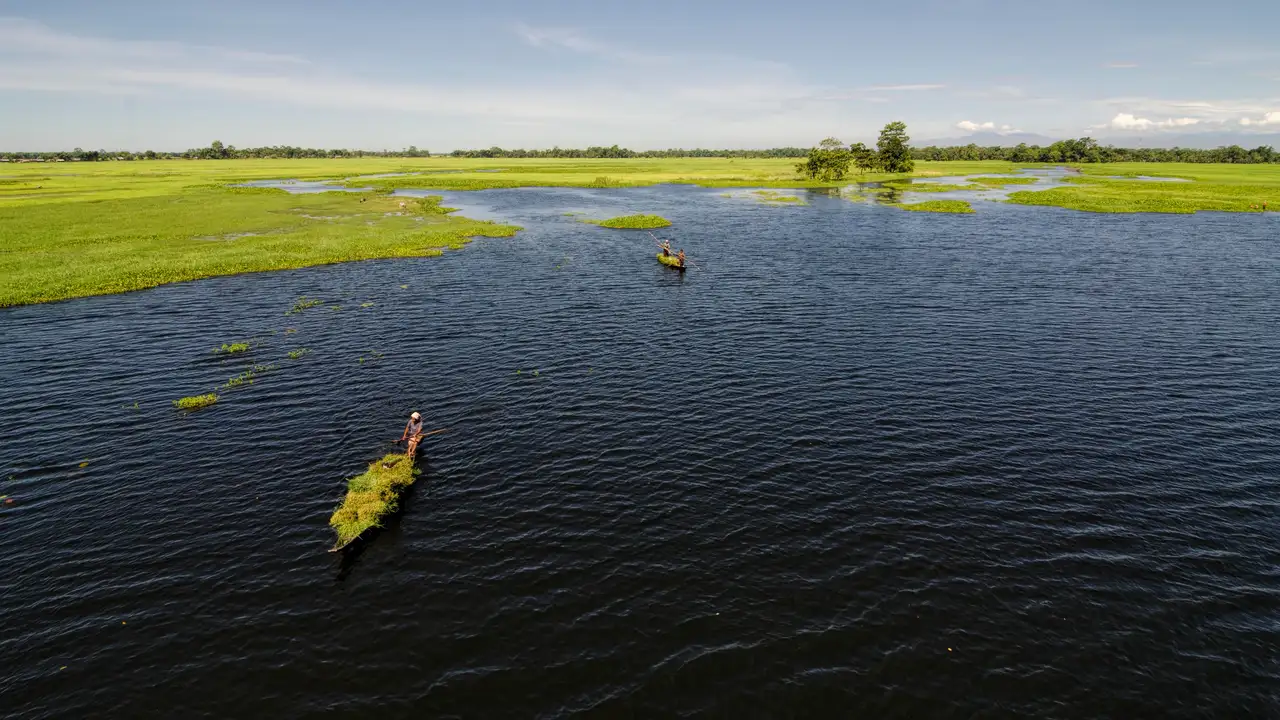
(76, 229)
(859, 458)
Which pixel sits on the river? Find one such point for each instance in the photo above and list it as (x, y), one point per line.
(858, 462)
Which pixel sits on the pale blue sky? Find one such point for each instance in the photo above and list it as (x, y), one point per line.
(338, 73)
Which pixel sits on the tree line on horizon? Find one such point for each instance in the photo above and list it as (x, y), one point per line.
(1082, 150)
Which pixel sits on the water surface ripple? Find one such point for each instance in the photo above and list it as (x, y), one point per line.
(858, 463)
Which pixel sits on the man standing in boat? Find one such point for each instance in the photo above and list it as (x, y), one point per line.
(665, 245)
(681, 257)
(413, 433)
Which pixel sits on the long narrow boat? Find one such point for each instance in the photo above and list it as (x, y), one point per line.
(671, 261)
(372, 498)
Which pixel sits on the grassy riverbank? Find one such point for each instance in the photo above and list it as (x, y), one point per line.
(149, 230)
(1189, 188)
(478, 174)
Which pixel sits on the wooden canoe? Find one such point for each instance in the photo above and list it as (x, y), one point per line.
(671, 261)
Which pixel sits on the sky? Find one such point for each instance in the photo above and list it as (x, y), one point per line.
(144, 74)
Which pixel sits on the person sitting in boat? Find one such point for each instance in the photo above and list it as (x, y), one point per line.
(413, 433)
(681, 257)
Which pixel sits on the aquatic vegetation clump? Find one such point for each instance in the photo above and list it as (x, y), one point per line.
(247, 377)
(303, 303)
(300, 352)
(372, 497)
(632, 222)
(937, 206)
(233, 348)
(772, 197)
(195, 402)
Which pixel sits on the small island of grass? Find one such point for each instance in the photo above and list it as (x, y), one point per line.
(371, 497)
(772, 197)
(232, 348)
(937, 206)
(632, 222)
(1001, 181)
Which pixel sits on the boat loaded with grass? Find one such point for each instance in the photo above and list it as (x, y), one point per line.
(372, 497)
(671, 261)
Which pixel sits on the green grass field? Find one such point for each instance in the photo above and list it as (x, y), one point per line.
(149, 231)
(1114, 188)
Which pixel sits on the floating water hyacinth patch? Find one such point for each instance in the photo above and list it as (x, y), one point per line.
(195, 402)
(303, 303)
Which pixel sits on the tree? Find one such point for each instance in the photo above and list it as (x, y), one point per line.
(864, 158)
(895, 153)
(828, 162)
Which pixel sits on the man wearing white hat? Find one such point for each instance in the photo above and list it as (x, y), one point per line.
(413, 433)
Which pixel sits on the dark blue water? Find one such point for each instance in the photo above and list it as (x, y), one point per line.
(858, 463)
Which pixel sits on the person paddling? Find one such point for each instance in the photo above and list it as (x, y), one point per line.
(681, 258)
(413, 433)
(666, 248)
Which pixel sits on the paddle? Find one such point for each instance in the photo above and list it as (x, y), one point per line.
(422, 435)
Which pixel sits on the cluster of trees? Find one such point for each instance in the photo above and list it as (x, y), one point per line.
(621, 152)
(1087, 150)
(215, 151)
(831, 159)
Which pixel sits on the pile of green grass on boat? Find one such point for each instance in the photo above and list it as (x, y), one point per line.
(633, 222)
(372, 497)
(937, 206)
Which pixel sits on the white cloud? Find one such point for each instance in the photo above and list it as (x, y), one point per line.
(1121, 65)
(572, 40)
(1271, 118)
(1129, 121)
(988, 126)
